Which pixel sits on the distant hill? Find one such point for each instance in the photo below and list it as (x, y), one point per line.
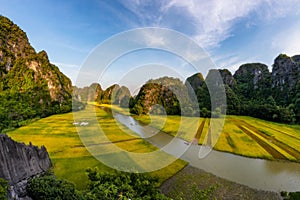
(251, 91)
(255, 91)
(30, 86)
(112, 95)
(168, 93)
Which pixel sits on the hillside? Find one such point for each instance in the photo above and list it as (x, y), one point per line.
(251, 91)
(168, 93)
(255, 91)
(30, 86)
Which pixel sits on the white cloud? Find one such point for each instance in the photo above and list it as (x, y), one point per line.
(215, 18)
(212, 20)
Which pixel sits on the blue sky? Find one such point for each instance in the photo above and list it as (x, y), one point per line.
(233, 32)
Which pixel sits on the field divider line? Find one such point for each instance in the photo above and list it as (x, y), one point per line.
(273, 145)
(273, 152)
(200, 130)
(285, 147)
(279, 131)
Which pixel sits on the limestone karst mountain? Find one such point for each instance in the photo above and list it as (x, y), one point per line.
(30, 86)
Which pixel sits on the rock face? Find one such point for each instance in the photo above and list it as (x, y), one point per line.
(18, 60)
(28, 78)
(227, 77)
(20, 162)
(252, 74)
(163, 95)
(30, 86)
(286, 71)
(89, 93)
(120, 93)
(195, 81)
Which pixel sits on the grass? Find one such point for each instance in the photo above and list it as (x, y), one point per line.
(192, 183)
(240, 135)
(70, 156)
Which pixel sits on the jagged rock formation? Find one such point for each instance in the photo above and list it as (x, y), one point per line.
(163, 95)
(89, 93)
(286, 79)
(286, 71)
(195, 81)
(227, 77)
(18, 60)
(121, 93)
(20, 162)
(255, 91)
(112, 95)
(108, 95)
(28, 78)
(253, 74)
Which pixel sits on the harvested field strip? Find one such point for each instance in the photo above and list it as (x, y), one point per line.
(204, 130)
(274, 153)
(290, 130)
(230, 141)
(280, 150)
(293, 152)
(279, 131)
(200, 129)
(208, 139)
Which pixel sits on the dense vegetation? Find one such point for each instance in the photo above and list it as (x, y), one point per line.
(30, 86)
(254, 91)
(251, 91)
(162, 96)
(3, 188)
(108, 186)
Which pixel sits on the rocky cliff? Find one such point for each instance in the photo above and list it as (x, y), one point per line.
(20, 162)
(254, 90)
(286, 71)
(163, 95)
(88, 93)
(28, 78)
(19, 61)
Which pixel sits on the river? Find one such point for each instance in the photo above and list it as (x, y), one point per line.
(255, 173)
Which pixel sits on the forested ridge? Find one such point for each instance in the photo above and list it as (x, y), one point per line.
(30, 86)
(251, 91)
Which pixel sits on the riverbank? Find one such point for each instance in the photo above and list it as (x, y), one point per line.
(188, 183)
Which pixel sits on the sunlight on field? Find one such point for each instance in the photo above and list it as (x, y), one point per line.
(241, 135)
(70, 157)
(278, 140)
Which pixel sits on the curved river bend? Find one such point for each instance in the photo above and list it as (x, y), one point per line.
(256, 173)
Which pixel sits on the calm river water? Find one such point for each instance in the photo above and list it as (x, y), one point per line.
(255, 173)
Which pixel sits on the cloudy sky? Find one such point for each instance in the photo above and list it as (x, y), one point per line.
(232, 32)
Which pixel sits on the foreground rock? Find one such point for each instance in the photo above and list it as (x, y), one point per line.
(188, 182)
(19, 163)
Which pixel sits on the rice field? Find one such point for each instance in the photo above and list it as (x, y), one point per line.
(70, 157)
(240, 135)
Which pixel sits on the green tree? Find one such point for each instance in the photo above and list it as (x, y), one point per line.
(3, 189)
(122, 185)
(48, 187)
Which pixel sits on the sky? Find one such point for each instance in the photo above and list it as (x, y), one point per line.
(231, 33)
